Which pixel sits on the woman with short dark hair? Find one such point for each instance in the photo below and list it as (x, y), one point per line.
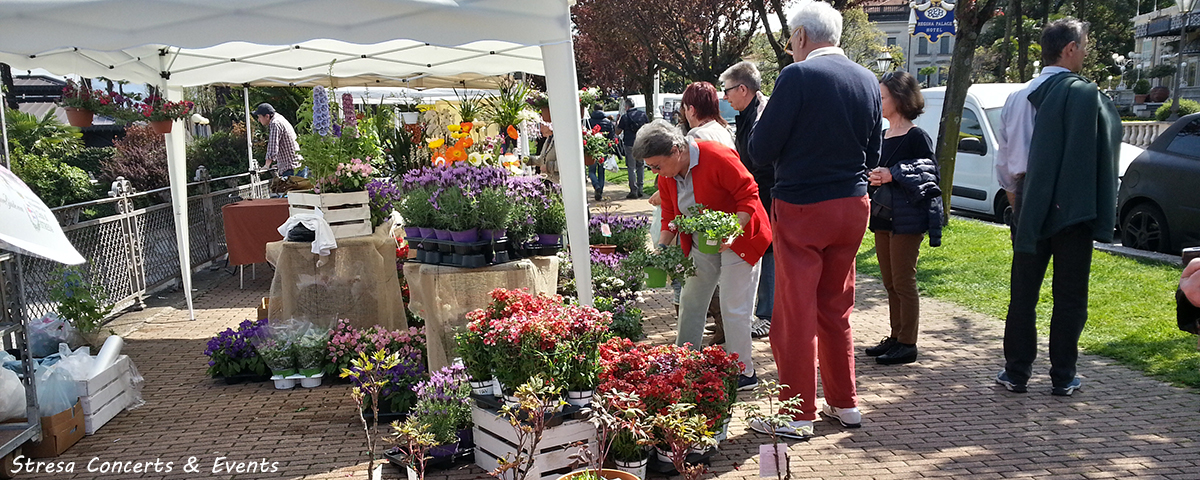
(906, 203)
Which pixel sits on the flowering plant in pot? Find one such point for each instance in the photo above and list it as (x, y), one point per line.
(621, 430)
(531, 197)
(352, 176)
(414, 441)
(385, 197)
(346, 343)
(588, 96)
(552, 221)
(279, 356)
(628, 232)
(682, 430)
(669, 261)
(443, 405)
(232, 352)
(711, 227)
(595, 145)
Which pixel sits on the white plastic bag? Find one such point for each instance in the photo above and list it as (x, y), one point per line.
(610, 163)
(12, 396)
(56, 391)
(78, 364)
(47, 332)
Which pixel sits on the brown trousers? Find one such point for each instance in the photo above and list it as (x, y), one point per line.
(897, 255)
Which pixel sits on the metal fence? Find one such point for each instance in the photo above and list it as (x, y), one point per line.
(129, 242)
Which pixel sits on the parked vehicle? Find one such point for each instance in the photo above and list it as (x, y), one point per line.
(976, 188)
(1158, 203)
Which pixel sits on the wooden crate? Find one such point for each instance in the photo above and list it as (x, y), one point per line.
(495, 438)
(348, 214)
(106, 394)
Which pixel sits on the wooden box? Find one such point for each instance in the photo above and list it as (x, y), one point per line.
(106, 394)
(263, 306)
(59, 432)
(495, 438)
(348, 214)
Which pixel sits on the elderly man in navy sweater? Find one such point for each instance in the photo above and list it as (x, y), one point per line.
(822, 132)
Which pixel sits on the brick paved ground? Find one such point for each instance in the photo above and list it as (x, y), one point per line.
(939, 417)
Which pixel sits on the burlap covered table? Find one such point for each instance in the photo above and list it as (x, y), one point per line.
(444, 295)
(357, 281)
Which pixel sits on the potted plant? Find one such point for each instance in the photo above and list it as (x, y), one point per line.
(476, 357)
(626, 316)
(442, 406)
(161, 114)
(626, 232)
(281, 359)
(508, 110)
(232, 354)
(80, 302)
(621, 434)
(414, 441)
(710, 227)
(311, 356)
(469, 106)
(536, 399)
(682, 431)
(771, 418)
(667, 261)
(1140, 90)
(539, 102)
(369, 375)
(410, 112)
(551, 222)
(80, 102)
(596, 146)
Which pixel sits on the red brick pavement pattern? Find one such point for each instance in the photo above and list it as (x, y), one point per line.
(940, 417)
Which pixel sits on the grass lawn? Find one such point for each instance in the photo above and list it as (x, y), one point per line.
(1131, 304)
(621, 176)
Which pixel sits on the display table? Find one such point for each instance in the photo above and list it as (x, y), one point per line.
(357, 281)
(443, 295)
(250, 225)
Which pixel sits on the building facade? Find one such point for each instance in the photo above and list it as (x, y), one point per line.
(892, 17)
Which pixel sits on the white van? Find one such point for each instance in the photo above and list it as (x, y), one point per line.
(976, 188)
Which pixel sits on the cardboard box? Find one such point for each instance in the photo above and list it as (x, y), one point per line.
(106, 394)
(262, 308)
(59, 432)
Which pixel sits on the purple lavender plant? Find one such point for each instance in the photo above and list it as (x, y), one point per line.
(322, 121)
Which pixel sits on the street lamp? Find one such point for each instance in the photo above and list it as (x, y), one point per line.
(1185, 8)
(884, 61)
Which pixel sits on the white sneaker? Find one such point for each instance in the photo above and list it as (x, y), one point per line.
(796, 430)
(848, 417)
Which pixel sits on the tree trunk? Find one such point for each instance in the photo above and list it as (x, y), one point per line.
(970, 22)
(1022, 45)
(1006, 57)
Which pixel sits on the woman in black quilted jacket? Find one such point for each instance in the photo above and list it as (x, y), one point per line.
(906, 203)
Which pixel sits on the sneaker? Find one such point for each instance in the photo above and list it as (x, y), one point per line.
(1067, 390)
(900, 353)
(1002, 378)
(761, 328)
(883, 347)
(631, 196)
(796, 430)
(848, 417)
(748, 383)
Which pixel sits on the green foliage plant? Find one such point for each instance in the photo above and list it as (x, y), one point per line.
(41, 136)
(1186, 107)
(279, 356)
(469, 106)
(417, 209)
(141, 158)
(458, 211)
(713, 223)
(476, 356)
(617, 415)
(370, 375)
(56, 183)
(553, 219)
(683, 430)
(669, 258)
(414, 440)
(495, 209)
(535, 399)
(772, 417)
(1142, 87)
(505, 107)
(626, 318)
(79, 301)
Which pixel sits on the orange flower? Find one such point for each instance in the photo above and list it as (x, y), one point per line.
(456, 154)
(466, 126)
(513, 133)
(465, 143)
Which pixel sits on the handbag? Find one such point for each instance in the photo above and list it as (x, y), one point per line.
(881, 202)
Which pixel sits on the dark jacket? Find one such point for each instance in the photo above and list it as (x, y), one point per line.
(916, 197)
(821, 130)
(606, 125)
(630, 123)
(1072, 172)
(764, 175)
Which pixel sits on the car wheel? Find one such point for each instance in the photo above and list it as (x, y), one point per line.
(1145, 228)
(1004, 211)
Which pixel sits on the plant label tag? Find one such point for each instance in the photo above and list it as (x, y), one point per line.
(769, 465)
(605, 230)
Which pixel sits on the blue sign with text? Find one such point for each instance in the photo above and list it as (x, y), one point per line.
(934, 19)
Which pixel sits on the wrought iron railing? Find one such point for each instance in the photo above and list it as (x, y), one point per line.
(129, 238)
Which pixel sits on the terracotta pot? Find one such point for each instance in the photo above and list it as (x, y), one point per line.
(79, 117)
(1139, 99)
(162, 126)
(606, 473)
(606, 249)
(588, 160)
(545, 114)
(1158, 94)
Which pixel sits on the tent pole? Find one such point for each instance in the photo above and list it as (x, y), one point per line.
(563, 91)
(4, 128)
(250, 162)
(176, 169)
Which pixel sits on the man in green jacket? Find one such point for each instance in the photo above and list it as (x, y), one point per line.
(1059, 142)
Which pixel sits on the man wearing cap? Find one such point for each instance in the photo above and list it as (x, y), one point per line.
(281, 141)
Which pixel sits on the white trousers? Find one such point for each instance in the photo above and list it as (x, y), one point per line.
(739, 285)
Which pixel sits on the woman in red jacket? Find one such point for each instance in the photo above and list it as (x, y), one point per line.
(694, 172)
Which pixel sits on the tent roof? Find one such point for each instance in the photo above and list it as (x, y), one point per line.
(283, 42)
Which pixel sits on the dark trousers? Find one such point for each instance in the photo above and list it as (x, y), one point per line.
(1072, 252)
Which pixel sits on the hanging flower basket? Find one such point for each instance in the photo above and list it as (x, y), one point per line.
(162, 127)
(79, 117)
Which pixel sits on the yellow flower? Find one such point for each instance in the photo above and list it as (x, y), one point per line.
(424, 107)
(453, 128)
(436, 142)
(457, 136)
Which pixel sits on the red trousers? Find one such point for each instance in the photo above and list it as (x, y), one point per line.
(815, 248)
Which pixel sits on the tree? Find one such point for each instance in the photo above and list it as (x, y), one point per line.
(776, 43)
(971, 16)
(616, 44)
(861, 39)
(705, 37)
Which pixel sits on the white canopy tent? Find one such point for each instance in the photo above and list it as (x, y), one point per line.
(180, 43)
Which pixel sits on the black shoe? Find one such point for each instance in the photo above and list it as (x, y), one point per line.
(641, 194)
(599, 195)
(747, 383)
(883, 347)
(901, 353)
(631, 196)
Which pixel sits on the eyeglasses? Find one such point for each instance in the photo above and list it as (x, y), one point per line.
(730, 89)
(788, 48)
(653, 167)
